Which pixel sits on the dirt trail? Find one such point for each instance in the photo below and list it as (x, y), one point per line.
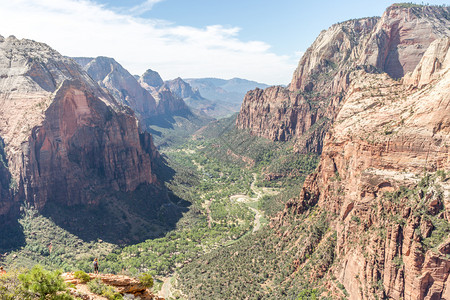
(259, 192)
(257, 222)
(166, 288)
(208, 212)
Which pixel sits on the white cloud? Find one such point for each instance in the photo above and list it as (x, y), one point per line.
(84, 28)
(143, 7)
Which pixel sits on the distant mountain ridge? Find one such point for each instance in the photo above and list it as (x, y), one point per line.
(146, 101)
(212, 97)
(224, 94)
(160, 110)
(226, 90)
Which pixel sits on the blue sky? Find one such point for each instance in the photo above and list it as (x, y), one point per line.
(254, 39)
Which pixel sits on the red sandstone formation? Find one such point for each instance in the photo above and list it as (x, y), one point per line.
(303, 112)
(65, 139)
(389, 137)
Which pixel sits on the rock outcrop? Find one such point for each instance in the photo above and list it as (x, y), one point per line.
(124, 285)
(303, 112)
(168, 103)
(400, 38)
(83, 146)
(66, 140)
(383, 182)
(6, 202)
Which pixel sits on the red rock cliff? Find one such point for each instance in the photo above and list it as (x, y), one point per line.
(383, 180)
(304, 111)
(65, 139)
(84, 146)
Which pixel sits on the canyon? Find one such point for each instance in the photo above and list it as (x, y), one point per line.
(372, 221)
(369, 101)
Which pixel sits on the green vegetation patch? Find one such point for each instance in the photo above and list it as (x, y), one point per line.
(96, 286)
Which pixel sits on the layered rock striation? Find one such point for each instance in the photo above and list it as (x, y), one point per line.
(304, 111)
(65, 139)
(383, 182)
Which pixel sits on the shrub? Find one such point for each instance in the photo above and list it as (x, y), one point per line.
(96, 286)
(44, 283)
(397, 262)
(99, 288)
(82, 276)
(146, 279)
(308, 294)
(11, 287)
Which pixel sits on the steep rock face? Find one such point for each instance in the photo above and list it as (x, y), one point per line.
(315, 93)
(122, 85)
(293, 114)
(5, 183)
(382, 181)
(168, 103)
(29, 73)
(403, 34)
(65, 138)
(334, 49)
(84, 145)
(435, 58)
(393, 43)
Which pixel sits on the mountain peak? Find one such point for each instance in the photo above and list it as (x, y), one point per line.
(151, 78)
(182, 89)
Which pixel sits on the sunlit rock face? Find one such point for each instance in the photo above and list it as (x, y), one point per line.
(383, 180)
(393, 44)
(65, 138)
